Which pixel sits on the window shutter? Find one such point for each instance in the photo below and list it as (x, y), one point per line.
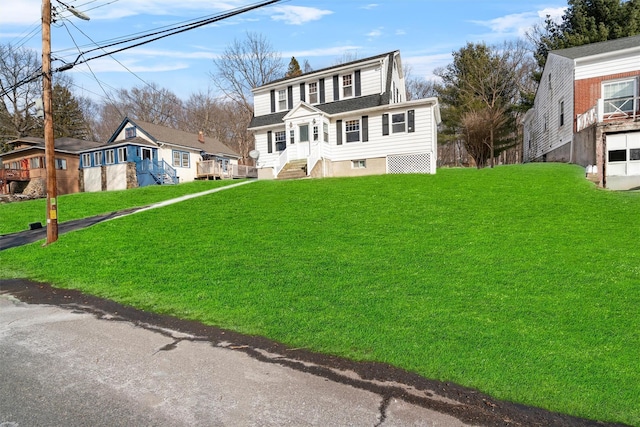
(322, 98)
(385, 124)
(273, 101)
(365, 128)
(302, 92)
(411, 121)
(358, 84)
(339, 132)
(269, 142)
(289, 97)
(336, 89)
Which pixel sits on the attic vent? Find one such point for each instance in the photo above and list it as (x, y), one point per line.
(201, 137)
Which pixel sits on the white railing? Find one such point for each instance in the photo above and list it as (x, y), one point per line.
(619, 109)
(587, 119)
(283, 159)
(244, 171)
(315, 153)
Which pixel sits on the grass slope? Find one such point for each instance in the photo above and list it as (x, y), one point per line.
(17, 216)
(522, 281)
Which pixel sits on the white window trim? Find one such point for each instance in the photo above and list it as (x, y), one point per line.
(86, 160)
(122, 154)
(404, 122)
(633, 107)
(311, 94)
(282, 98)
(359, 164)
(109, 157)
(358, 128)
(344, 87)
(97, 158)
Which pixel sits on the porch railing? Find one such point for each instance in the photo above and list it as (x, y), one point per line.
(161, 171)
(282, 160)
(14, 174)
(315, 153)
(212, 168)
(618, 109)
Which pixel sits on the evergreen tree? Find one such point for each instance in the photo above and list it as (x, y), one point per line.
(68, 117)
(587, 21)
(294, 68)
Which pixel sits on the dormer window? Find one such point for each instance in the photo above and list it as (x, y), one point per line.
(347, 86)
(282, 100)
(313, 93)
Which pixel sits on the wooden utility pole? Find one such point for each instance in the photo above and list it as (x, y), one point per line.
(49, 145)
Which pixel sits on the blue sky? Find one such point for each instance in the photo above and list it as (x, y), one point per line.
(320, 31)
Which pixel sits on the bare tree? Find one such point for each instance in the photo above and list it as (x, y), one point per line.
(244, 65)
(418, 87)
(20, 85)
(151, 103)
(347, 56)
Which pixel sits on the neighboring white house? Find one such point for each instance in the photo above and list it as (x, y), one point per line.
(140, 154)
(348, 120)
(586, 111)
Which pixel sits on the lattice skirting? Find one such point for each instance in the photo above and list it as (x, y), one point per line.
(410, 163)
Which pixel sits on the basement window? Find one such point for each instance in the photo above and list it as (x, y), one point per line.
(358, 164)
(618, 156)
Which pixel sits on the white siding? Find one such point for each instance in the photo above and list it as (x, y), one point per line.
(116, 177)
(92, 179)
(623, 62)
(262, 103)
(547, 107)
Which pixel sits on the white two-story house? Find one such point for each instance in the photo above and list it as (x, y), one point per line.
(348, 120)
(587, 111)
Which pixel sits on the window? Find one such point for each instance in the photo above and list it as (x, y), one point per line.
(281, 140)
(292, 136)
(35, 163)
(147, 154)
(61, 164)
(352, 130)
(634, 154)
(109, 157)
(618, 155)
(122, 154)
(325, 132)
(130, 133)
(398, 123)
(313, 93)
(304, 133)
(618, 96)
(282, 100)
(561, 113)
(180, 159)
(86, 160)
(97, 158)
(315, 133)
(347, 86)
(358, 164)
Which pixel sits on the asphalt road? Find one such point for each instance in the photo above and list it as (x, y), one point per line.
(68, 367)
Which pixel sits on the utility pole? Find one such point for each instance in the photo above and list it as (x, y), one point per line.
(49, 144)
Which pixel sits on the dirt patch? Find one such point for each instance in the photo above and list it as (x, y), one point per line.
(469, 406)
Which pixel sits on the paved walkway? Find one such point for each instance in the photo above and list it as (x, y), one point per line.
(30, 236)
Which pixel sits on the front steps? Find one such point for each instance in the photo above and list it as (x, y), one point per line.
(295, 169)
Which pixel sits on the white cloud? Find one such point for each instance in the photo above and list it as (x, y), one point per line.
(375, 33)
(322, 52)
(298, 15)
(369, 6)
(108, 65)
(401, 33)
(424, 65)
(518, 24)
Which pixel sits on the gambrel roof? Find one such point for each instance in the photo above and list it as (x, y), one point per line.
(336, 107)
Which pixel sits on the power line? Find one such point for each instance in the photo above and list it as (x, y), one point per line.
(162, 34)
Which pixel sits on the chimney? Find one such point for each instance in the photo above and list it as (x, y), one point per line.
(201, 137)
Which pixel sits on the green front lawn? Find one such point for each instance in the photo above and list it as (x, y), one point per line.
(18, 215)
(522, 281)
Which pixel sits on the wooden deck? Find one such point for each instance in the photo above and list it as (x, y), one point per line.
(211, 169)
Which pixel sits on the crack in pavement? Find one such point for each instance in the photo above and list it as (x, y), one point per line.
(467, 405)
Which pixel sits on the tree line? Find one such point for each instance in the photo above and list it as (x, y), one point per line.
(483, 92)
